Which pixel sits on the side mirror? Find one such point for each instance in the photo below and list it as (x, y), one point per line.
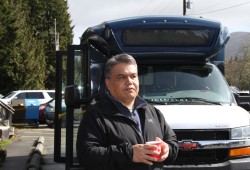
(72, 96)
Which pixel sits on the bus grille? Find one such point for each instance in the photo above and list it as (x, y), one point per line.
(203, 135)
(206, 156)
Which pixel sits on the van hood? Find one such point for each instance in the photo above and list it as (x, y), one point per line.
(204, 116)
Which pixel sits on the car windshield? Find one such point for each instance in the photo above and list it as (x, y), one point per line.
(51, 94)
(9, 95)
(52, 103)
(177, 84)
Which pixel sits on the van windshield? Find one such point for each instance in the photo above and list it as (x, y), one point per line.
(9, 95)
(194, 84)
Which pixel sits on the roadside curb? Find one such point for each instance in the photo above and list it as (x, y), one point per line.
(36, 154)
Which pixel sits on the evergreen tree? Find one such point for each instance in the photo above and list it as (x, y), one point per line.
(21, 55)
(43, 15)
(7, 37)
(27, 48)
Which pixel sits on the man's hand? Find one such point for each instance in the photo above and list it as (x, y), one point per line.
(164, 150)
(141, 153)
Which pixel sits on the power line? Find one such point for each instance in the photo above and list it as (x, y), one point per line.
(157, 6)
(214, 5)
(152, 7)
(164, 7)
(146, 6)
(222, 9)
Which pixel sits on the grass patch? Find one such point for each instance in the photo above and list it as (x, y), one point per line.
(3, 151)
(5, 142)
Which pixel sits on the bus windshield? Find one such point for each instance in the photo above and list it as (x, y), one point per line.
(183, 84)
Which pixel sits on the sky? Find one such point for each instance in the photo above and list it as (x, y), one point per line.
(86, 13)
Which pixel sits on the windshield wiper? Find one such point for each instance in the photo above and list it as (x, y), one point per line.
(155, 102)
(192, 99)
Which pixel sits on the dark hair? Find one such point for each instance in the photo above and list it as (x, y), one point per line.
(119, 58)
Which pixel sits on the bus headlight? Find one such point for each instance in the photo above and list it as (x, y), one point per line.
(240, 133)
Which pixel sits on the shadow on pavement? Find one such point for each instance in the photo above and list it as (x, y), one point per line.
(14, 163)
(19, 150)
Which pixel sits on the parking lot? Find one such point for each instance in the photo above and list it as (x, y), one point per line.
(18, 152)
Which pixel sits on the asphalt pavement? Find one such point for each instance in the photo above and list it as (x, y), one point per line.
(33, 148)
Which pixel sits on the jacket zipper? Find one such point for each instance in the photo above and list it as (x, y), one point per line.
(136, 128)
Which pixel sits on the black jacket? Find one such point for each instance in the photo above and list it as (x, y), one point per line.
(105, 137)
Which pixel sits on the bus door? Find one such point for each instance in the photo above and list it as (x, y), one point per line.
(69, 71)
(85, 84)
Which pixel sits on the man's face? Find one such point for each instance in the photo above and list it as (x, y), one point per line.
(123, 83)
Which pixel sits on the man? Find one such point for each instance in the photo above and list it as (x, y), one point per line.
(113, 132)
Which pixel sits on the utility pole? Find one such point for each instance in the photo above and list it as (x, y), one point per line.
(48, 16)
(184, 7)
(57, 46)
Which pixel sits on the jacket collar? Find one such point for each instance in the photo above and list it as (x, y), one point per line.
(139, 103)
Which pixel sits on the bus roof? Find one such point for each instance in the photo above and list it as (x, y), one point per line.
(175, 37)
